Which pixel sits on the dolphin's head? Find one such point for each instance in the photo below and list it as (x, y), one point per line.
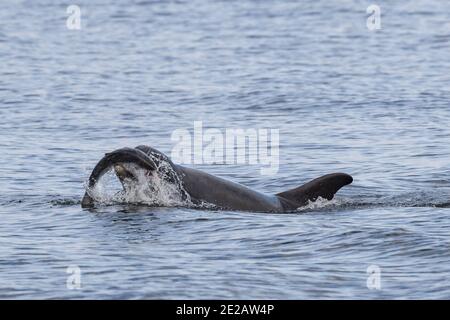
(143, 170)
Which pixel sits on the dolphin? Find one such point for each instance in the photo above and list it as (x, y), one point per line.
(199, 187)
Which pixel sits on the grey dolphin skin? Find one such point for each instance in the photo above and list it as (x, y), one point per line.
(202, 187)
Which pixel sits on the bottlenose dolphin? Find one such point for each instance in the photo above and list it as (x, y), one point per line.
(200, 187)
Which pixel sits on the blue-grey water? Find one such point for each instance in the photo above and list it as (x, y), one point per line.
(374, 104)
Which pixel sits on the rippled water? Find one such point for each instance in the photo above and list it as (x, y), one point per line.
(374, 104)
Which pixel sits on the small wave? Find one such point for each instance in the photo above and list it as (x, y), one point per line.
(442, 205)
(39, 200)
(65, 202)
(408, 200)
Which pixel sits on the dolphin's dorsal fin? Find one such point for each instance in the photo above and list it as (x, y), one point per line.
(325, 187)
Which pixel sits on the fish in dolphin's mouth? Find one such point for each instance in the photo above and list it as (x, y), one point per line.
(135, 178)
(122, 173)
(130, 173)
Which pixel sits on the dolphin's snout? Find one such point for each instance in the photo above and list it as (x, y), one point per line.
(87, 201)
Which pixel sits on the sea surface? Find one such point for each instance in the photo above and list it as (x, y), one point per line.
(371, 103)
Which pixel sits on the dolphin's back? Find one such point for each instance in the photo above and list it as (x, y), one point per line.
(230, 195)
(226, 194)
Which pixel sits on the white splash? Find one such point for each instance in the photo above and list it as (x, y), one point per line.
(320, 203)
(105, 189)
(150, 188)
